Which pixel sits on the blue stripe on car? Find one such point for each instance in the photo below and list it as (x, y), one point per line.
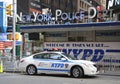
(60, 70)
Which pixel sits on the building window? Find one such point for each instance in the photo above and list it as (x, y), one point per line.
(81, 39)
(71, 39)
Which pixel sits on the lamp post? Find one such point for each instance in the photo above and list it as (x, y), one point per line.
(14, 30)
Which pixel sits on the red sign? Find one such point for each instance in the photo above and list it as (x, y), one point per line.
(2, 45)
(6, 44)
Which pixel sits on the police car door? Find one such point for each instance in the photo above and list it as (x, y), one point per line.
(42, 62)
(57, 65)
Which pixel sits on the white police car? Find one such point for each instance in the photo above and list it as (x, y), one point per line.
(54, 62)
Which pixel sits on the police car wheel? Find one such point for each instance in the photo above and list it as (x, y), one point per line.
(31, 70)
(77, 72)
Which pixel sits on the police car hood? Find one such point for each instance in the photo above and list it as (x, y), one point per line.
(83, 61)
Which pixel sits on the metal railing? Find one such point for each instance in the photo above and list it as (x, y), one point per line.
(107, 63)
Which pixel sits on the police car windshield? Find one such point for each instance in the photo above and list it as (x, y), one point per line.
(69, 56)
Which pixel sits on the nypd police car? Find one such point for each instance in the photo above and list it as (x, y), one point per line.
(55, 62)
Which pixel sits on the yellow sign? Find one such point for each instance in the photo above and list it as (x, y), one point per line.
(1, 66)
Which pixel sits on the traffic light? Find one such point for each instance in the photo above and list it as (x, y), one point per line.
(17, 36)
(8, 9)
(10, 36)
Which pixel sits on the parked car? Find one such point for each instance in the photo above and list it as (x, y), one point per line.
(55, 62)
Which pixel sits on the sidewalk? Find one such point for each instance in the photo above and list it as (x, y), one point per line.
(112, 73)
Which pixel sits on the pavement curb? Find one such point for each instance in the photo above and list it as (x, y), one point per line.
(107, 73)
(110, 73)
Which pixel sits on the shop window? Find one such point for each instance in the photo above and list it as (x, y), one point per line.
(33, 36)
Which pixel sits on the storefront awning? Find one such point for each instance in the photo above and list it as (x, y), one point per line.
(70, 27)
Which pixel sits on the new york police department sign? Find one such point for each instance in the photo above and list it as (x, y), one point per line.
(60, 15)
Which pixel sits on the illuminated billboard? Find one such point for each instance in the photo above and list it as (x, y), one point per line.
(112, 3)
(3, 36)
(28, 6)
(3, 18)
(34, 6)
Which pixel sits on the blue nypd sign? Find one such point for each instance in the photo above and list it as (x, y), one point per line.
(94, 51)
